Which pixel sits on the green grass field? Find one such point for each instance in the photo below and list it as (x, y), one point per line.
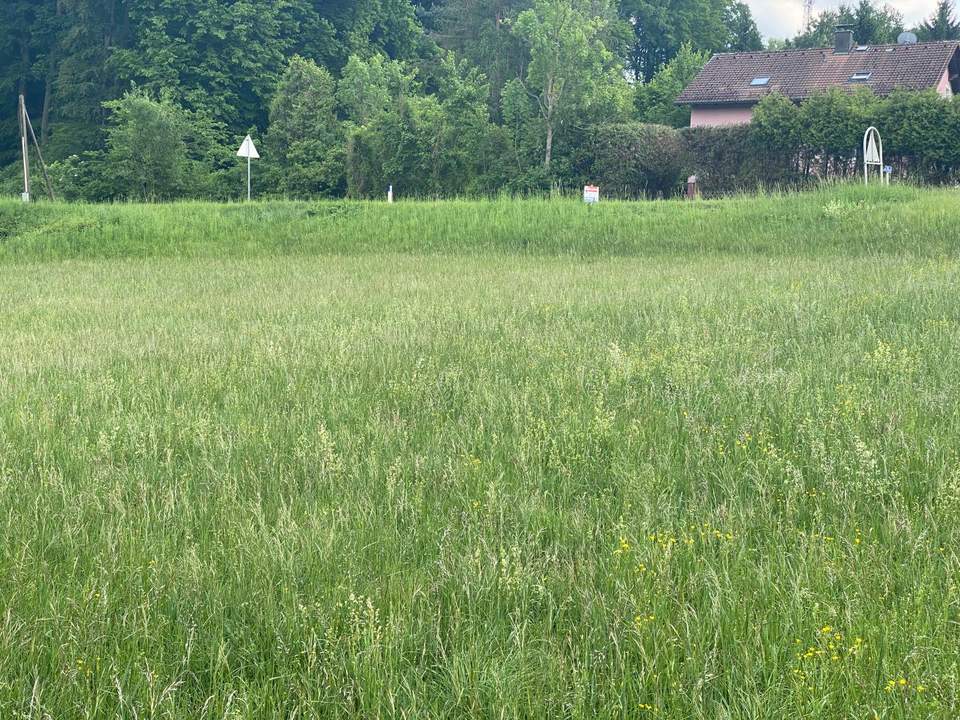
(506, 459)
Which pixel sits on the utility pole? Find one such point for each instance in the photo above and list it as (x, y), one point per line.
(27, 126)
(24, 148)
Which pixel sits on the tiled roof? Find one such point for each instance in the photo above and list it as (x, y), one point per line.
(798, 74)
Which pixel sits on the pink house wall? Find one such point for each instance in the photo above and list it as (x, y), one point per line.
(720, 116)
(944, 87)
(742, 115)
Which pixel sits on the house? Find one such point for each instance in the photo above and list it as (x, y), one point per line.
(731, 84)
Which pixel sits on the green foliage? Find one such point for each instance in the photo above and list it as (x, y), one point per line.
(833, 125)
(479, 31)
(777, 130)
(942, 25)
(222, 58)
(570, 66)
(305, 142)
(438, 97)
(744, 35)
(636, 160)
(788, 144)
(872, 24)
(371, 27)
(919, 132)
(155, 150)
(662, 29)
(371, 87)
(728, 160)
(777, 121)
(146, 148)
(655, 99)
(437, 144)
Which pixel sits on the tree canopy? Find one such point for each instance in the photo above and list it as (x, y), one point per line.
(348, 96)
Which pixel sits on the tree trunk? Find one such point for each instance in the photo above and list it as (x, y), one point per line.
(548, 108)
(548, 156)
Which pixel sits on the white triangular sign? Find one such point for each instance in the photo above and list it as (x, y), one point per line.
(248, 149)
(873, 155)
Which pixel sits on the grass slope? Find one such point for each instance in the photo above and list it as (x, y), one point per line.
(505, 460)
(845, 220)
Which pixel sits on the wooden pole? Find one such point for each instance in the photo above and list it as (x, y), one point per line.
(43, 165)
(24, 149)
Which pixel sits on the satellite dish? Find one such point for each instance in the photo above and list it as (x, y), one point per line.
(907, 38)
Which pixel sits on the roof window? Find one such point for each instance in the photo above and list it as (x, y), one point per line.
(759, 81)
(860, 77)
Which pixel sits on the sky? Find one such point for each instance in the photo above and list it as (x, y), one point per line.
(783, 18)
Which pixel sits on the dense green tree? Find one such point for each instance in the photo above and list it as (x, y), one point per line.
(920, 125)
(943, 25)
(371, 87)
(872, 24)
(777, 122)
(218, 57)
(437, 144)
(662, 27)
(438, 97)
(744, 35)
(655, 99)
(570, 66)
(479, 31)
(20, 67)
(368, 27)
(777, 130)
(305, 142)
(146, 149)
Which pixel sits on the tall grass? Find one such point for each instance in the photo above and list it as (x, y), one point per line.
(502, 460)
(846, 220)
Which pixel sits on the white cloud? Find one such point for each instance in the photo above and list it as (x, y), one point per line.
(784, 18)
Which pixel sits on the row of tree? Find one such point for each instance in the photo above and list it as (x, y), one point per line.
(875, 24)
(149, 99)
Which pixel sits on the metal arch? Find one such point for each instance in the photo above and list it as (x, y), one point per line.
(884, 178)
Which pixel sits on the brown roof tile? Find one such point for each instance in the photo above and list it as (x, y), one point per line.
(798, 74)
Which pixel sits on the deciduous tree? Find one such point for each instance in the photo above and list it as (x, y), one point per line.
(569, 62)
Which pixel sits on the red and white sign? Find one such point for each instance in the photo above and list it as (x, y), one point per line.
(591, 194)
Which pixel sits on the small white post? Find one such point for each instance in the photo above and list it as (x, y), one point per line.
(390, 194)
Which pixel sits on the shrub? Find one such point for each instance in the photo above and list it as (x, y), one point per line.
(634, 159)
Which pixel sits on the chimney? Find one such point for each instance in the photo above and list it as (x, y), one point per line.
(843, 40)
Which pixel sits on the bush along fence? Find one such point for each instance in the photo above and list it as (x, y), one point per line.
(430, 150)
(790, 145)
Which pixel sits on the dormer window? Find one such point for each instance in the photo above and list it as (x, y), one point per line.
(760, 81)
(860, 77)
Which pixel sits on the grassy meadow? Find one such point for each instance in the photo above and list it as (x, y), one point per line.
(502, 459)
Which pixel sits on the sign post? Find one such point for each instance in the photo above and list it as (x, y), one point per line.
(591, 194)
(873, 155)
(249, 151)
